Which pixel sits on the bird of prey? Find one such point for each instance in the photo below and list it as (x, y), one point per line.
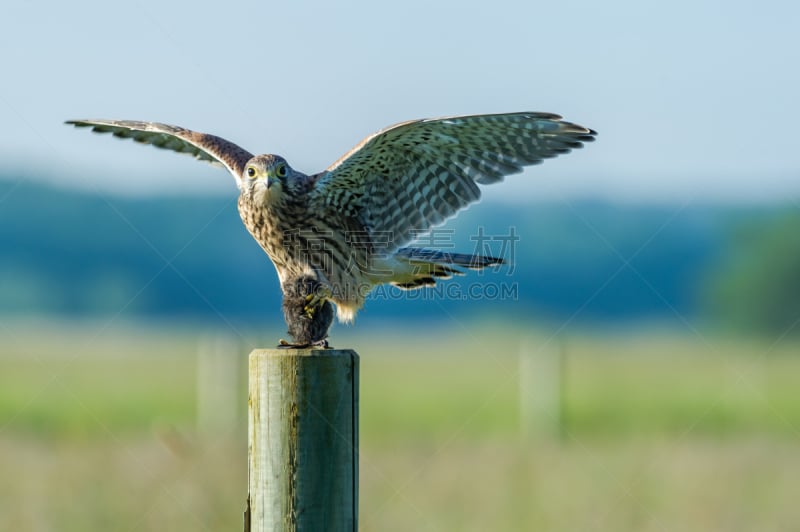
(335, 235)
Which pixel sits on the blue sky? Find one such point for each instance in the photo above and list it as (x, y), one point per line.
(693, 100)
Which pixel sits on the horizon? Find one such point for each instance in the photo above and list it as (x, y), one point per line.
(543, 191)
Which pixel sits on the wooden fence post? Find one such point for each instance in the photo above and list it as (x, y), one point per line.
(219, 411)
(542, 382)
(303, 440)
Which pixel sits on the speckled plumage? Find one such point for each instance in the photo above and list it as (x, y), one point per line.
(346, 227)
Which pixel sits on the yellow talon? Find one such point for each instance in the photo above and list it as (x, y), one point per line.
(315, 301)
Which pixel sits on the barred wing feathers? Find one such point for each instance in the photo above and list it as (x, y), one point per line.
(409, 177)
(202, 146)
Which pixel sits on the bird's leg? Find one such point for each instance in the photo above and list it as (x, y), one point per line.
(316, 299)
(307, 312)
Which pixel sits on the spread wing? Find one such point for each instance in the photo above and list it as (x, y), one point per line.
(202, 146)
(407, 178)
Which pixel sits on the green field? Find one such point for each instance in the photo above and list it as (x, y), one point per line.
(99, 431)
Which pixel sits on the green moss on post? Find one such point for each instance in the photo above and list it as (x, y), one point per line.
(303, 440)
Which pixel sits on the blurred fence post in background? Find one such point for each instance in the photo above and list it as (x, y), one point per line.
(219, 369)
(303, 440)
(542, 383)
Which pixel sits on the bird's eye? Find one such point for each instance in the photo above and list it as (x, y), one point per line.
(251, 172)
(280, 170)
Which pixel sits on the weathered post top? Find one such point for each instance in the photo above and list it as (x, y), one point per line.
(303, 440)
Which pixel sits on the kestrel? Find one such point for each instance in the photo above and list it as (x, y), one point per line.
(335, 235)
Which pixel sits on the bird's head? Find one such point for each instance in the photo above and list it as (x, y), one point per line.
(266, 177)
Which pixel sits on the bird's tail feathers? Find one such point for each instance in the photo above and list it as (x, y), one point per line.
(431, 264)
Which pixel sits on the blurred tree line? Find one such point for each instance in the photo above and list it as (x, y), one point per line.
(756, 287)
(80, 254)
